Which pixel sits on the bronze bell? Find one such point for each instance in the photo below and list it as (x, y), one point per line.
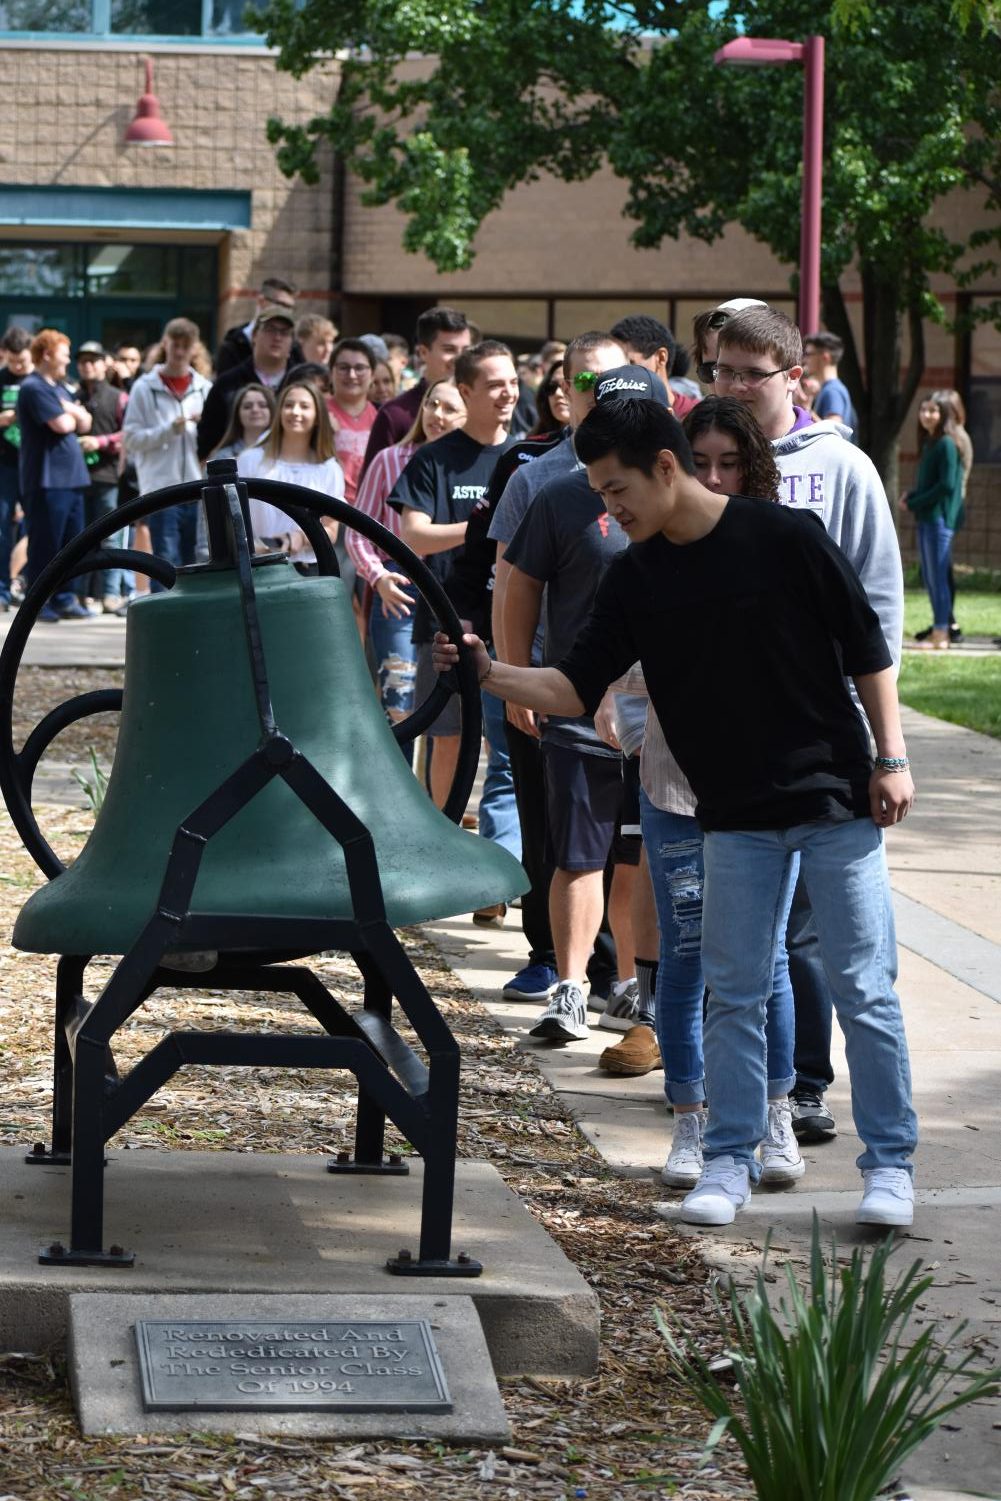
(189, 719)
(258, 809)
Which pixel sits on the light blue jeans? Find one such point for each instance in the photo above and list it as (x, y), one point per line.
(749, 882)
(498, 811)
(395, 656)
(674, 851)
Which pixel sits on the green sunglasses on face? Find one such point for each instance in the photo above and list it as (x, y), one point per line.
(585, 380)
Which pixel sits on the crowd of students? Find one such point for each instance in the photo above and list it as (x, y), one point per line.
(683, 597)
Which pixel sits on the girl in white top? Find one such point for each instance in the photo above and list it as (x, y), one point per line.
(298, 450)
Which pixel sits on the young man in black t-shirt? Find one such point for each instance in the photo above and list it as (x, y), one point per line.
(436, 495)
(755, 708)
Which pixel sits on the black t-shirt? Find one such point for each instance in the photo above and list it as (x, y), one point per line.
(446, 480)
(470, 580)
(10, 385)
(745, 638)
(567, 540)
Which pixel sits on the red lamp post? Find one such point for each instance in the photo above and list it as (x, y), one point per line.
(754, 51)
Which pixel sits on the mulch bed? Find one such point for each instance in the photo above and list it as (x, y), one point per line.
(630, 1431)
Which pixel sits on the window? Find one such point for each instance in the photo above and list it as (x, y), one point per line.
(984, 406)
(216, 19)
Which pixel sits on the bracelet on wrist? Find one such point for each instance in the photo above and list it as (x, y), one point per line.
(892, 763)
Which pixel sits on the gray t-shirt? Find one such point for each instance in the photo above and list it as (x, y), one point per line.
(525, 484)
(567, 540)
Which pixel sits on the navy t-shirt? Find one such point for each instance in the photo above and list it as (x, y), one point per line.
(566, 540)
(833, 400)
(49, 461)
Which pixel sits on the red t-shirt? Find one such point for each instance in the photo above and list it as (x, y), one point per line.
(177, 383)
(351, 441)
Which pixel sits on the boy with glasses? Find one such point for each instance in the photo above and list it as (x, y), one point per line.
(759, 362)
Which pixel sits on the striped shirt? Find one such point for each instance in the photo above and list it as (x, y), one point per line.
(377, 484)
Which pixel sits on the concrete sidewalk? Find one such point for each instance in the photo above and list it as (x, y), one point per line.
(946, 870)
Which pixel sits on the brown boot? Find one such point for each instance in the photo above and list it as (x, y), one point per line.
(636, 1054)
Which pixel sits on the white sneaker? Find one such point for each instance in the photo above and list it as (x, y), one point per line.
(779, 1153)
(622, 1009)
(683, 1167)
(723, 1189)
(887, 1197)
(565, 1018)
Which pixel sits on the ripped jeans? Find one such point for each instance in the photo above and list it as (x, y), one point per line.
(395, 657)
(674, 852)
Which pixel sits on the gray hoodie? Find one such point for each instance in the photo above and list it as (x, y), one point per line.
(822, 471)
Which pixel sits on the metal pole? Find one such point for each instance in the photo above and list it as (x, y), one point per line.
(813, 168)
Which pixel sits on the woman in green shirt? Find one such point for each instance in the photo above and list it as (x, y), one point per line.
(936, 503)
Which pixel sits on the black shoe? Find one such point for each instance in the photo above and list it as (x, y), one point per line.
(955, 635)
(924, 635)
(811, 1119)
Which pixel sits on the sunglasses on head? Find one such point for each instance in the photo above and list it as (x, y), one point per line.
(718, 318)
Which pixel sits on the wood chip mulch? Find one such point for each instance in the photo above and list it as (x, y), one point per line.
(628, 1432)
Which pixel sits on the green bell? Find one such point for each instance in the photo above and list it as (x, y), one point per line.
(189, 720)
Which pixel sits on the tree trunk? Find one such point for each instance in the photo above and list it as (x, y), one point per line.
(883, 398)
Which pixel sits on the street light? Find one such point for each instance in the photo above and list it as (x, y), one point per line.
(148, 127)
(754, 51)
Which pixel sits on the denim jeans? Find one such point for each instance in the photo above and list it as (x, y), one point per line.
(750, 877)
(811, 995)
(395, 657)
(498, 810)
(174, 535)
(99, 501)
(935, 549)
(674, 852)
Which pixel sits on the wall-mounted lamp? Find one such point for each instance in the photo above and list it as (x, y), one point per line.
(148, 127)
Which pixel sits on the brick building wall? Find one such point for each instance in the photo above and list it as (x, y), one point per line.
(65, 120)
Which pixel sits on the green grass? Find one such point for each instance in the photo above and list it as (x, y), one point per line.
(978, 611)
(961, 690)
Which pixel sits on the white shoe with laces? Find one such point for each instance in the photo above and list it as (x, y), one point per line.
(565, 1018)
(723, 1190)
(779, 1152)
(887, 1197)
(683, 1167)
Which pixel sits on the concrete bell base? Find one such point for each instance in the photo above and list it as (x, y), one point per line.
(234, 1222)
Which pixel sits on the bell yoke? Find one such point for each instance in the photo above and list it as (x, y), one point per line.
(258, 810)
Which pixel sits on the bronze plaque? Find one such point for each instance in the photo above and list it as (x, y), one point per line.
(362, 1365)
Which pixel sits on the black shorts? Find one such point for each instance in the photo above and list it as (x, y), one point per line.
(628, 839)
(583, 802)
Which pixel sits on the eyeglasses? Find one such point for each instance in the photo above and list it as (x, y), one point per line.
(585, 380)
(358, 370)
(706, 372)
(726, 375)
(718, 318)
